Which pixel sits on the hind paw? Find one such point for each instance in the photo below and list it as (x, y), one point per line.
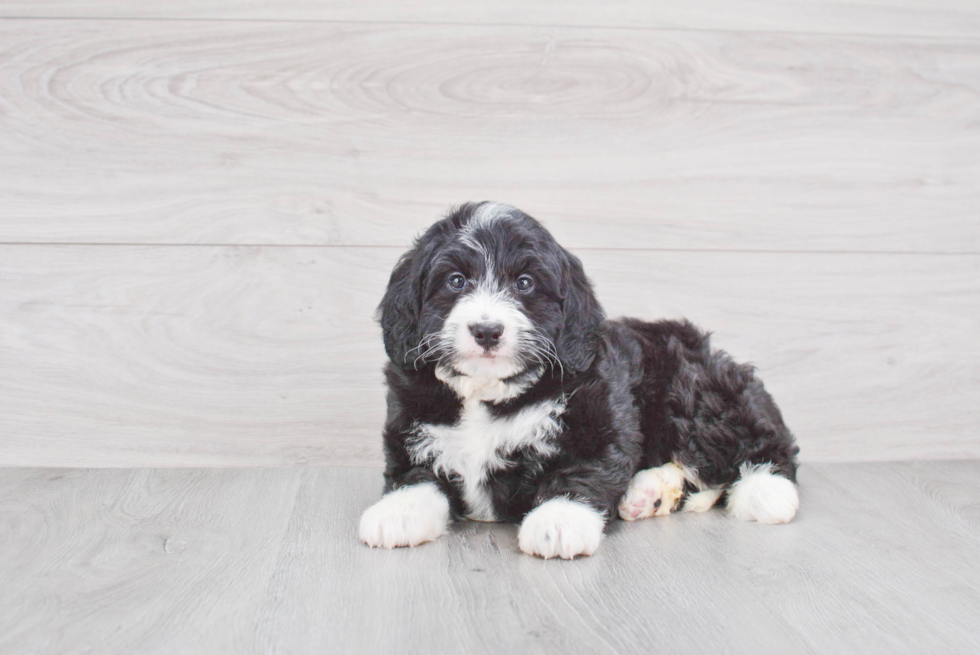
(652, 492)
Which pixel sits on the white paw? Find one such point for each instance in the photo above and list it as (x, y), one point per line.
(407, 516)
(561, 528)
(702, 501)
(652, 492)
(763, 496)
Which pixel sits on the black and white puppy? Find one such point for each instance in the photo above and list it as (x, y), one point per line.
(512, 398)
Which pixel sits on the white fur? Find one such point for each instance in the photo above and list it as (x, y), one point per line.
(702, 501)
(484, 215)
(407, 516)
(763, 496)
(480, 443)
(487, 388)
(664, 483)
(561, 528)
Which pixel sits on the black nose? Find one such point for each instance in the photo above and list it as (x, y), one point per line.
(487, 334)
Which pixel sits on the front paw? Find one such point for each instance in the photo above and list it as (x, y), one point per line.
(561, 528)
(407, 516)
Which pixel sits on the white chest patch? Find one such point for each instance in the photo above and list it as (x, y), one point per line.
(480, 443)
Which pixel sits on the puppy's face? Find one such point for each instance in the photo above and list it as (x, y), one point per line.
(492, 302)
(487, 292)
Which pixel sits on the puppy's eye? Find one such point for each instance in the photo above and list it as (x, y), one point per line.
(524, 283)
(457, 281)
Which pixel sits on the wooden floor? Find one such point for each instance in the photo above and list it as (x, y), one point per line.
(200, 202)
(881, 559)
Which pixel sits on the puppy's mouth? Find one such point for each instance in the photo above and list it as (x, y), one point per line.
(487, 357)
(487, 363)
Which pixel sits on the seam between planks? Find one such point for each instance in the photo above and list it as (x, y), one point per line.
(748, 251)
(563, 26)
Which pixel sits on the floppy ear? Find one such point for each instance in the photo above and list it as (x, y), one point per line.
(583, 317)
(400, 309)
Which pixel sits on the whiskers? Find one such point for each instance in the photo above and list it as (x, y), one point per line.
(432, 346)
(539, 349)
(532, 348)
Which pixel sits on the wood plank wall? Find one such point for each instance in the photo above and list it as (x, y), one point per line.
(200, 203)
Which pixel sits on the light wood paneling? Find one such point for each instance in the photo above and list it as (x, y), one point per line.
(220, 356)
(237, 133)
(880, 559)
(921, 17)
(122, 356)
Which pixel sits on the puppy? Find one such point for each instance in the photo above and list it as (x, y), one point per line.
(512, 398)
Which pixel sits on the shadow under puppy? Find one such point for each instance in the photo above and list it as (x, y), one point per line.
(512, 398)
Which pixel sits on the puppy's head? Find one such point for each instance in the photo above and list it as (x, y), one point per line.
(488, 292)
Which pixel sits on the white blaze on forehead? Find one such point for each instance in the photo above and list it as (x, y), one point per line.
(482, 216)
(486, 214)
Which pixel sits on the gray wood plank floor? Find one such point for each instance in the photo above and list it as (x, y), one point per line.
(882, 559)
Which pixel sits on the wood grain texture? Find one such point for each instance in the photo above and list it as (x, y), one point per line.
(170, 356)
(881, 559)
(920, 17)
(360, 134)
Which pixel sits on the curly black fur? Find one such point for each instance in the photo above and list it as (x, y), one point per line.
(637, 394)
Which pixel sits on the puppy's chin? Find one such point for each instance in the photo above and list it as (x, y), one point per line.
(497, 367)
